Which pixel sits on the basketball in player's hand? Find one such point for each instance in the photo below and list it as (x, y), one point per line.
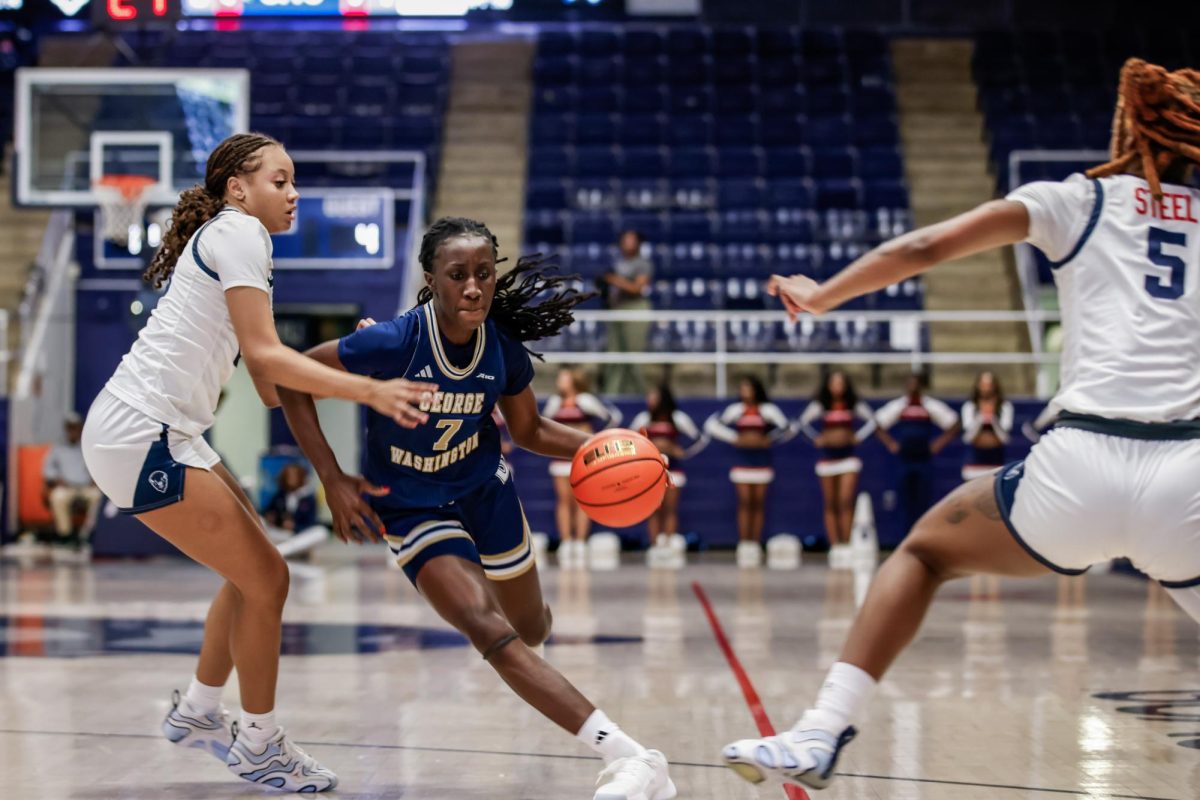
(618, 477)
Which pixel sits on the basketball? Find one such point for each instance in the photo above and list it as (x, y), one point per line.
(618, 477)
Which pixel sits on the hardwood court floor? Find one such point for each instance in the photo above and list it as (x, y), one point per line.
(1019, 689)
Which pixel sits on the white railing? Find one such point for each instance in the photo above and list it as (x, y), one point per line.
(1026, 265)
(722, 356)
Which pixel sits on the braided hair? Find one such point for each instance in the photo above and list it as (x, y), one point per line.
(513, 307)
(1156, 123)
(240, 154)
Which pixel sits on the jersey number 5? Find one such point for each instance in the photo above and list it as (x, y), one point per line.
(1173, 288)
(450, 426)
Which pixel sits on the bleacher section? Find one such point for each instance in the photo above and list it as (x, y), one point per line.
(736, 153)
(1052, 90)
(326, 90)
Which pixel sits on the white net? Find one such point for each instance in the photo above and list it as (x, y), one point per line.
(122, 207)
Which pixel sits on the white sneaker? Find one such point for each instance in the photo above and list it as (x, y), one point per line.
(749, 555)
(280, 764)
(801, 757)
(641, 777)
(209, 732)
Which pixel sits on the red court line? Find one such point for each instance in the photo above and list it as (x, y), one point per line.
(765, 728)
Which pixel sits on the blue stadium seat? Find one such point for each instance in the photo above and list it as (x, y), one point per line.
(733, 42)
(691, 227)
(691, 193)
(552, 129)
(556, 43)
(733, 72)
(604, 43)
(880, 162)
(790, 225)
(827, 131)
(690, 130)
(597, 72)
(691, 162)
(641, 42)
(645, 193)
(555, 70)
(834, 162)
(650, 226)
(595, 129)
(885, 194)
(643, 162)
(592, 227)
(740, 193)
(779, 72)
(599, 99)
(640, 130)
(735, 101)
(594, 194)
(777, 42)
(790, 194)
(544, 227)
(742, 225)
(645, 99)
(785, 131)
(551, 162)
(642, 72)
(787, 162)
(736, 131)
(549, 195)
(829, 100)
(690, 99)
(684, 42)
(739, 162)
(790, 100)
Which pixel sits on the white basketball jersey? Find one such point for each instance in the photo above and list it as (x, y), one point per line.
(188, 350)
(1128, 274)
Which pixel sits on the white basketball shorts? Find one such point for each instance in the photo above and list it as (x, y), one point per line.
(1083, 497)
(139, 463)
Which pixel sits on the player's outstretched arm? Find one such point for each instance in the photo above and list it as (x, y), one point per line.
(353, 518)
(993, 224)
(272, 362)
(533, 432)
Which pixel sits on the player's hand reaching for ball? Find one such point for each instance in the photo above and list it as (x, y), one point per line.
(399, 399)
(353, 519)
(799, 294)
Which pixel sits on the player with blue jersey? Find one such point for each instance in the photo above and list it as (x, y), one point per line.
(443, 495)
(1115, 477)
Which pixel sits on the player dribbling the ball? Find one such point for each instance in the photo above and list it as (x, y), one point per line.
(444, 497)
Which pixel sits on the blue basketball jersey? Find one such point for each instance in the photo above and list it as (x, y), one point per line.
(459, 447)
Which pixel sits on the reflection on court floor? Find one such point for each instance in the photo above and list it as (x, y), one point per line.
(1083, 687)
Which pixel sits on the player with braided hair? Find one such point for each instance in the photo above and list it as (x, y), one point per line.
(1114, 478)
(143, 442)
(443, 496)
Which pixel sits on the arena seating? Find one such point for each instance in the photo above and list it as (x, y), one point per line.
(735, 153)
(345, 90)
(1056, 91)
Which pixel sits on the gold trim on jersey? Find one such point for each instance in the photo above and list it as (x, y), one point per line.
(439, 354)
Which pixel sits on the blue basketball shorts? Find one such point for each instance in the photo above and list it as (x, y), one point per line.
(487, 526)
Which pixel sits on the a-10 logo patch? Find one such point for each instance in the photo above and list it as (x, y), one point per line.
(1164, 705)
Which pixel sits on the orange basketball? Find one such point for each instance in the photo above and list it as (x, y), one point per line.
(618, 477)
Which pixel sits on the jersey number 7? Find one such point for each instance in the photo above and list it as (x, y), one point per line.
(1173, 288)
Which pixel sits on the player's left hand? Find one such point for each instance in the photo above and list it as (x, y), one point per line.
(354, 521)
(799, 294)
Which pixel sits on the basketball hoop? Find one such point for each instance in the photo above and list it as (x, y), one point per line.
(123, 204)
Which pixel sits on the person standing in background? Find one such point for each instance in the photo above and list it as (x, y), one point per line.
(987, 420)
(664, 424)
(837, 408)
(68, 484)
(753, 425)
(915, 428)
(627, 288)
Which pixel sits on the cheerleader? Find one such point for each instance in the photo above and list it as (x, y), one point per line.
(987, 420)
(664, 424)
(837, 407)
(577, 408)
(752, 425)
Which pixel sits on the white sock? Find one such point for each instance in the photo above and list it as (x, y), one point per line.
(841, 699)
(202, 698)
(606, 737)
(257, 728)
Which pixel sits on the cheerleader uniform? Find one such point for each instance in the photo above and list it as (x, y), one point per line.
(985, 460)
(680, 424)
(753, 464)
(578, 413)
(838, 460)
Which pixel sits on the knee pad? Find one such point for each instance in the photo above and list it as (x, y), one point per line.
(498, 645)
